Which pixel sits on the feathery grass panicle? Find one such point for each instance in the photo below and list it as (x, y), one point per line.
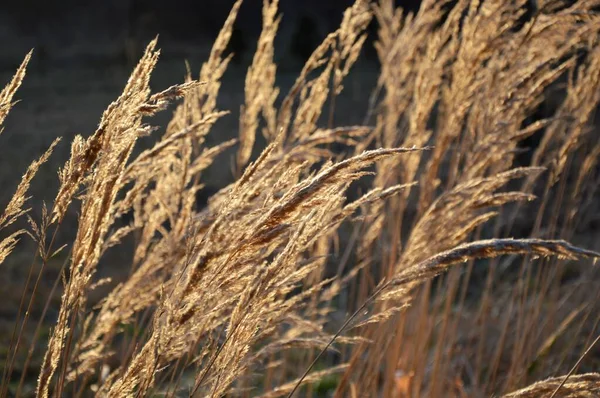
(584, 385)
(259, 88)
(14, 209)
(8, 92)
(489, 249)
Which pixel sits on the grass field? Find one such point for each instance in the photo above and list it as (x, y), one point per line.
(426, 230)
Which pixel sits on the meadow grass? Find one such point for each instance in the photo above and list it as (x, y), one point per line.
(448, 273)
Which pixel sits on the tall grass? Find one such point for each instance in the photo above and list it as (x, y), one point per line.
(283, 285)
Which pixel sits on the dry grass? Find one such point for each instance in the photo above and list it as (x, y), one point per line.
(281, 282)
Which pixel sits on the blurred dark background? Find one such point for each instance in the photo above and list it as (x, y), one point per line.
(107, 31)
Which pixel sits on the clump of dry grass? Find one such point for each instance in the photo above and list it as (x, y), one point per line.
(239, 297)
(480, 115)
